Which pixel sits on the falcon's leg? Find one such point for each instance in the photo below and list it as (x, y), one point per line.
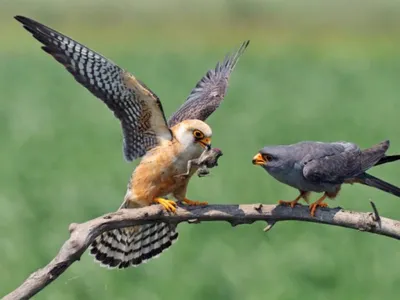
(180, 195)
(319, 203)
(194, 203)
(168, 205)
(303, 195)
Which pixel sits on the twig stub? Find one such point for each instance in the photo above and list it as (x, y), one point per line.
(269, 226)
(376, 217)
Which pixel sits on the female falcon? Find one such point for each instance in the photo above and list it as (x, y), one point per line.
(165, 147)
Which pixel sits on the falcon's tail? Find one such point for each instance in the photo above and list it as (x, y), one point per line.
(387, 159)
(131, 246)
(379, 184)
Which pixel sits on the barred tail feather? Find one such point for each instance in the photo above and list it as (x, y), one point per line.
(132, 246)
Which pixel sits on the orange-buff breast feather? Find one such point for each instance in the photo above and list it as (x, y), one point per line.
(155, 176)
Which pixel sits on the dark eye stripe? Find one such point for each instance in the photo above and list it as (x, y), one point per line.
(268, 157)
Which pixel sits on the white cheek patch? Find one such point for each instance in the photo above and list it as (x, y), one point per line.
(184, 136)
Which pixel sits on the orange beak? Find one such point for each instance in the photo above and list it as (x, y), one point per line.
(259, 160)
(205, 142)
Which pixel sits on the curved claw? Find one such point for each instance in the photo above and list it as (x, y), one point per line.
(290, 203)
(168, 205)
(315, 205)
(319, 203)
(194, 203)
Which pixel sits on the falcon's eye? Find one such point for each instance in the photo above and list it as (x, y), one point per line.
(198, 134)
(267, 157)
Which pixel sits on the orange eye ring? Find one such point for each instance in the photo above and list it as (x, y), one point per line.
(198, 135)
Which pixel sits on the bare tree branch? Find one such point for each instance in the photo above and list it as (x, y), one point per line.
(82, 235)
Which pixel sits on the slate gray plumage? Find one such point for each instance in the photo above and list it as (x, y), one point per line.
(324, 167)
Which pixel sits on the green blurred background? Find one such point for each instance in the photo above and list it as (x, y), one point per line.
(314, 70)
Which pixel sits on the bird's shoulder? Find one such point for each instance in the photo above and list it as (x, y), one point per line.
(312, 150)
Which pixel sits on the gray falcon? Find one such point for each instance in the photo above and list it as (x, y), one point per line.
(324, 167)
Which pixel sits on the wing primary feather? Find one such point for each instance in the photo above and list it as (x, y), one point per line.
(209, 92)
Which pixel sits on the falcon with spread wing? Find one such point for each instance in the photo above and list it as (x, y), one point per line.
(324, 167)
(165, 147)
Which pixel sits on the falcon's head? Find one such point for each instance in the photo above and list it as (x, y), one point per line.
(193, 135)
(271, 158)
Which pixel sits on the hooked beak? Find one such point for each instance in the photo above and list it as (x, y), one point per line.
(259, 160)
(205, 143)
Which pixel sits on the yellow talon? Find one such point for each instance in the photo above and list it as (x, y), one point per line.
(168, 205)
(194, 203)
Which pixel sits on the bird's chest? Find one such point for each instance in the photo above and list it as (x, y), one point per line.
(158, 175)
(294, 177)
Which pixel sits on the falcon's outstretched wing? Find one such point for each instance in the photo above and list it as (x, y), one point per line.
(137, 107)
(209, 92)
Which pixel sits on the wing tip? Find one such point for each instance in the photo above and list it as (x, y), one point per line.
(20, 18)
(26, 23)
(37, 29)
(231, 60)
(385, 144)
(24, 20)
(221, 73)
(243, 47)
(245, 44)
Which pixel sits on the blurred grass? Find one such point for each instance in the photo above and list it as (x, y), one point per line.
(61, 157)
